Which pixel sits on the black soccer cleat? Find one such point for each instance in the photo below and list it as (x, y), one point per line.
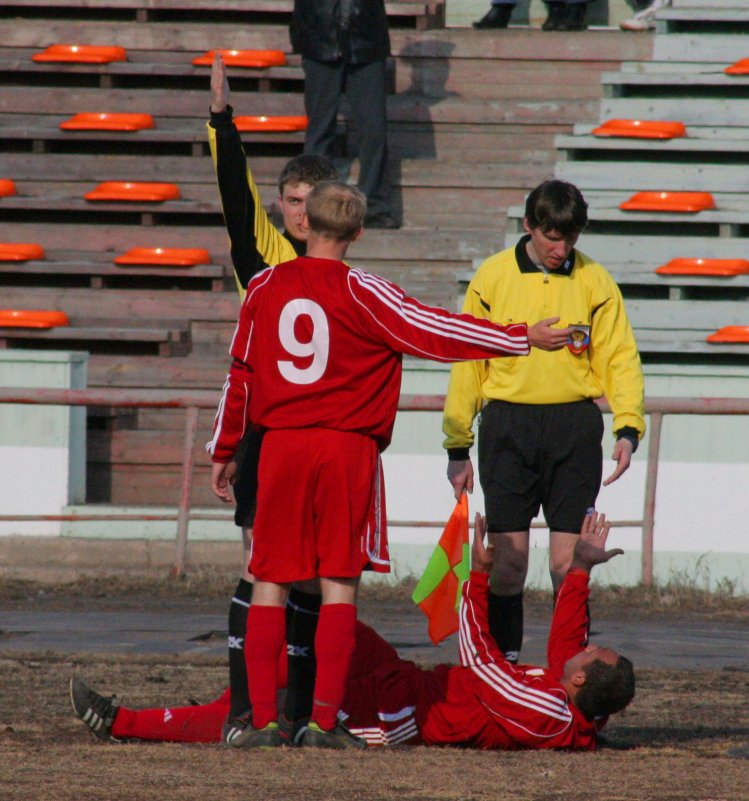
(233, 727)
(249, 737)
(96, 711)
(339, 737)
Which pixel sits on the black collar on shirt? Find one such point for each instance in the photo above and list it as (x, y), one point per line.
(526, 265)
(300, 248)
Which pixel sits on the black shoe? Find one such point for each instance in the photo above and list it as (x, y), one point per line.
(292, 732)
(556, 15)
(574, 18)
(339, 737)
(382, 220)
(249, 737)
(495, 17)
(97, 712)
(235, 726)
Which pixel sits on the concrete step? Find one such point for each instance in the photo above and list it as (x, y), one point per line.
(716, 48)
(639, 176)
(705, 111)
(699, 144)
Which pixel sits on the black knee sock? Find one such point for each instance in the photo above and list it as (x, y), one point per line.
(506, 623)
(302, 613)
(240, 694)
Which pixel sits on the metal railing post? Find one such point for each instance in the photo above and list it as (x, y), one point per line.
(183, 513)
(651, 484)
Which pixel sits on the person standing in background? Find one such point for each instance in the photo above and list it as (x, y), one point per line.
(344, 46)
(564, 15)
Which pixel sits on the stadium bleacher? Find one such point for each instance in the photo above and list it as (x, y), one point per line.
(686, 82)
(472, 120)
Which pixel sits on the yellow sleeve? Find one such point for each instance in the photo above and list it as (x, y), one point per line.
(464, 398)
(255, 242)
(615, 361)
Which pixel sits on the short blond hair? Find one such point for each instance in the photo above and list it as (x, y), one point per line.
(336, 210)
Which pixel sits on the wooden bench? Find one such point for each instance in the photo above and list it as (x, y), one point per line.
(418, 14)
(99, 336)
(143, 69)
(96, 270)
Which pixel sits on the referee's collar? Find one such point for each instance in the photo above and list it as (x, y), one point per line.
(526, 264)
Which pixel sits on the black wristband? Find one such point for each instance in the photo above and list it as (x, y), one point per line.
(221, 118)
(458, 454)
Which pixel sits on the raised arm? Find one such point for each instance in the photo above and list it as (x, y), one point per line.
(255, 242)
(568, 634)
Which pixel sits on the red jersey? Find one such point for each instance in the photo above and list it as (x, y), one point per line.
(485, 702)
(319, 344)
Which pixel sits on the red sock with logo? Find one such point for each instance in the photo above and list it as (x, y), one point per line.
(334, 647)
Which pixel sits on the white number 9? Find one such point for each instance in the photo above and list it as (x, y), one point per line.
(318, 346)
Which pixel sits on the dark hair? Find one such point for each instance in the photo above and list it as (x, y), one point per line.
(607, 689)
(557, 206)
(336, 210)
(307, 169)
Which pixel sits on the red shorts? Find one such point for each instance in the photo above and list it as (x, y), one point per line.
(382, 691)
(320, 506)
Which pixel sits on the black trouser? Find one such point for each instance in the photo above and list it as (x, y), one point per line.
(364, 88)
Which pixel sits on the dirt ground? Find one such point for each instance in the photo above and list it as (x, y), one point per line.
(684, 738)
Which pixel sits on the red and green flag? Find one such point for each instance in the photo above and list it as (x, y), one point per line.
(438, 590)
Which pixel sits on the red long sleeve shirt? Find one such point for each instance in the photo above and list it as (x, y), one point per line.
(486, 702)
(319, 344)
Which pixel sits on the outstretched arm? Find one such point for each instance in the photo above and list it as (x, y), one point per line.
(568, 634)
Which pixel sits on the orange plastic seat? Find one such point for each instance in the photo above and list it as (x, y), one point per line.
(16, 251)
(271, 123)
(641, 129)
(669, 201)
(717, 267)
(7, 187)
(92, 121)
(134, 191)
(32, 318)
(243, 58)
(741, 67)
(166, 257)
(729, 333)
(83, 54)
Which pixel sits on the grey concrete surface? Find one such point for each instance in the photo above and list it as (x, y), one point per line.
(652, 643)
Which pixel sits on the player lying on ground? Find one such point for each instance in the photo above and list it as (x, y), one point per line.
(485, 702)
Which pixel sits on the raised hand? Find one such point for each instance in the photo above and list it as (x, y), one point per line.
(219, 84)
(481, 555)
(590, 548)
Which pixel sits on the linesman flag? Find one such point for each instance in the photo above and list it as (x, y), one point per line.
(438, 590)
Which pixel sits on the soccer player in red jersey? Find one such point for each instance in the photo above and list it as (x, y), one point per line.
(317, 367)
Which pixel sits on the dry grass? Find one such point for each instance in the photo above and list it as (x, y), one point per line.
(681, 740)
(684, 738)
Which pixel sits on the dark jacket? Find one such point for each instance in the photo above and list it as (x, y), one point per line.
(354, 31)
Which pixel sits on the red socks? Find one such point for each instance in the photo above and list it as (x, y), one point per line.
(334, 647)
(264, 643)
(185, 724)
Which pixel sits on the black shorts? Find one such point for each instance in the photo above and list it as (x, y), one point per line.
(545, 456)
(245, 485)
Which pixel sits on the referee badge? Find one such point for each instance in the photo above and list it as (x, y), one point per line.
(579, 339)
